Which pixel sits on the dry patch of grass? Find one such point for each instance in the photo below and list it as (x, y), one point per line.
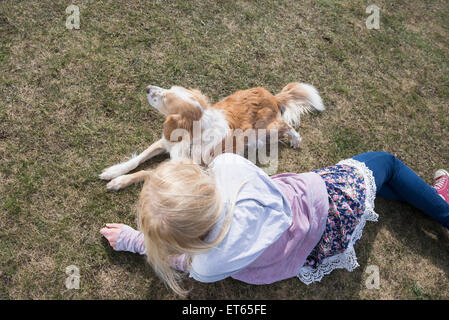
(72, 102)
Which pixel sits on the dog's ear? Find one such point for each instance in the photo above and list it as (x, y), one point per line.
(183, 121)
(183, 124)
(170, 124)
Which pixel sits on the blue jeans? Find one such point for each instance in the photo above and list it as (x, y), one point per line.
(394, 180)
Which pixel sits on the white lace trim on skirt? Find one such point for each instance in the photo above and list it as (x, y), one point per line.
(347, 259)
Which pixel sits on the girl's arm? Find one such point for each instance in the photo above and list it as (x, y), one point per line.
(130, 240)
(124, 238)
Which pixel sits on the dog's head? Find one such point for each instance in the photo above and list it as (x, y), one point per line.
(181, 106)
(175, 100)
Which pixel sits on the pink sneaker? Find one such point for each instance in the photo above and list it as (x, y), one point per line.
(441, 184)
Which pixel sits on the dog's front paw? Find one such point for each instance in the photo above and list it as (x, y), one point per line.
(116, 184)
(113, 172)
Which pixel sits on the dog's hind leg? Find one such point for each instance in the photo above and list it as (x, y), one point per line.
(125, 167)
(295, 138)
(127, 180)
(284, 128)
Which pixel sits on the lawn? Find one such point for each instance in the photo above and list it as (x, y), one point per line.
(72, 102)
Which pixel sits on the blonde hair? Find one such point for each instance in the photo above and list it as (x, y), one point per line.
(178, 205)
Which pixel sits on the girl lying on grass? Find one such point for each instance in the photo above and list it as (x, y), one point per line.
(233, 220)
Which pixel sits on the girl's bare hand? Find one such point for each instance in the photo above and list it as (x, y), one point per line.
(111, 232)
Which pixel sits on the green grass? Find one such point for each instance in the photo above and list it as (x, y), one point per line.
(72, 102)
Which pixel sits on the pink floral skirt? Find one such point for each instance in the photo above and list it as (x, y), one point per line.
(346, 189)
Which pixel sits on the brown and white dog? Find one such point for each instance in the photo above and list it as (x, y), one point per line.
(254, 108)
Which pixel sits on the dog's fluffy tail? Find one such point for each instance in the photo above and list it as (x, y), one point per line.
(297, 99)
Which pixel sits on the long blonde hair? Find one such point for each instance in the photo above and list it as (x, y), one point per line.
(178, 206)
